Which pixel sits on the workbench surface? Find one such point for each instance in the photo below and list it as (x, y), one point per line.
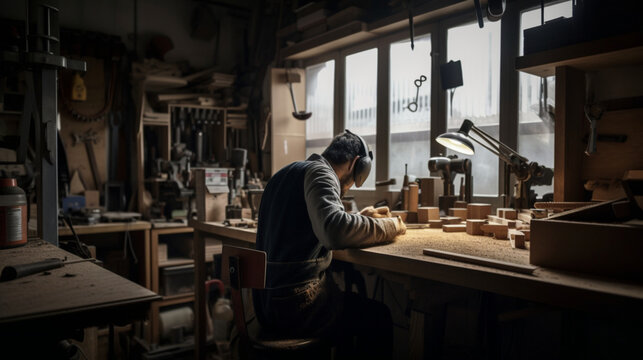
(80, 294)
(102, 228)
(405, 256)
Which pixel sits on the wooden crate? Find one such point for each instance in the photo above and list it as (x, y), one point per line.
(588, 239)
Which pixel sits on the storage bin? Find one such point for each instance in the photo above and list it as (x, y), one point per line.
(175, 280)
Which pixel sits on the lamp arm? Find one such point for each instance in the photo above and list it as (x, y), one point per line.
(496, 152)
(502, 148)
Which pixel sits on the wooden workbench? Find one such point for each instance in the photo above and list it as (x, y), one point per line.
(72, 297)
(405, 256)
(141, 240)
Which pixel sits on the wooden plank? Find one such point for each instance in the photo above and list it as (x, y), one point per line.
(592, 55)
(454, 228)
(570, 122)
(103, 228)
(523, 269)
(349, 34)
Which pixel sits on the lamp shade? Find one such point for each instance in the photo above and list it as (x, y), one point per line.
(456, 141)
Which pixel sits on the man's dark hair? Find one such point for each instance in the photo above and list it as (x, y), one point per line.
(343, 148)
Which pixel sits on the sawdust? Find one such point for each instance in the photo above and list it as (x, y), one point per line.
(415, 240)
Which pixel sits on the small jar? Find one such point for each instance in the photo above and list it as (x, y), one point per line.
(13, 214)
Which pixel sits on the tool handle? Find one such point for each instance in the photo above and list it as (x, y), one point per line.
(17, 271)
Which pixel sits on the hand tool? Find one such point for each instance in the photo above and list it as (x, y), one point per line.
(413, 106)
(299, 115)
(12, 272)
(89, 137)
(593, 112)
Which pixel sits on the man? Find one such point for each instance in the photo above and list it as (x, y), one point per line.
(301, 219)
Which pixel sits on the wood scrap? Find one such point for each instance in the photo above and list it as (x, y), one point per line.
(435, 224)
(426, 213)
(523, 269)
(450, 220)
(506, 213)
(401, 213)
(474, 226)
(478, 211)
(499, 231)
(454, 228)
(460, 204)
(561, 205)
(517, 239)
(458, 212)
(498, 220)
(412, 217)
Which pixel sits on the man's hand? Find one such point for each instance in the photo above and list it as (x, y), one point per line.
(380, 212)
(400, 226)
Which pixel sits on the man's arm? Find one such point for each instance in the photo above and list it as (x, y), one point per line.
(334, 227)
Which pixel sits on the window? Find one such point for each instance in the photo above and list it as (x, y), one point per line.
(536, 100)
(320, 86)
(478, 98)
(410, 139)
(360, 106)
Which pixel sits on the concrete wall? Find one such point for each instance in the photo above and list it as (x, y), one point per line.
(168, 17)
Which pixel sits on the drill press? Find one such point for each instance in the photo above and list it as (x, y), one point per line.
(447, 168)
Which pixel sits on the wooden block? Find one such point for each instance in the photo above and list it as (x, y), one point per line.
(454, 228)
(246, 213)
(162, 252)
(426, 213)
(527, 234)
(506, 213)
(502, 221)
(430, 190)
(524, 217)
(92, 199)
(412, 217)
(478, 211)
(460, 204)
(413, 197)
(517, 239)
(473, 226)
(401, 213)
(435, 224)
(499, 231)
(459, 212)
(450, 220)
(405, 198)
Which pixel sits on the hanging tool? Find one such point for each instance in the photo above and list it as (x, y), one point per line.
(411, 30)
(593, 112)
(299, 115)
(413, 106)
(12, 272)
(89, 138)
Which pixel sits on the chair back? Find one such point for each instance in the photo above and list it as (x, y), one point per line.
(242, 268)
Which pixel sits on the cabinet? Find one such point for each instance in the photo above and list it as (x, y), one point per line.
(614, 66)
(175, 245)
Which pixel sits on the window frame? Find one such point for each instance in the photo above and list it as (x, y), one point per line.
(437, 29)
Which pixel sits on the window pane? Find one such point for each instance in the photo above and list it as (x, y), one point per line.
(478, 98)
(537, 101)
(361, 100)
(410, 137)
(320, 89)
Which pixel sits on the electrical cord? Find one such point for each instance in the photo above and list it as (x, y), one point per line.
(80, 248)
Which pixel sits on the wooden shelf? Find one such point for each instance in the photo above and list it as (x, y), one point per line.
(175, 262)
(358, 31)
(615, 51)
(176, 299)
(349, 34)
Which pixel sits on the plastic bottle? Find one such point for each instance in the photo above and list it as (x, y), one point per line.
(222, 315)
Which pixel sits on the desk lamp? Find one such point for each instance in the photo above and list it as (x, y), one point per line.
(527, 173)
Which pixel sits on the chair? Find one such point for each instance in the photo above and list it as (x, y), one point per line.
(244, 268)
